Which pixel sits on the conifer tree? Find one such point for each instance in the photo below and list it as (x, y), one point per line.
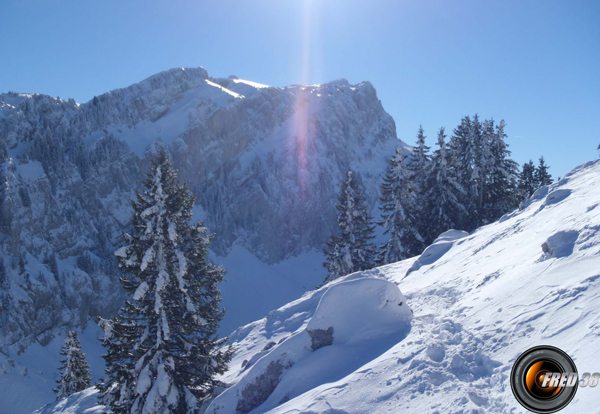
(486, 166)
(399, 212)
(527, 183)
(75, 373)
(541, 176)
(480, 156)
(501, 194)
(353, 250)
(462, 159)
(163, 352)
(478, 152)
(420, 167)
(52, 264)
(444, 193)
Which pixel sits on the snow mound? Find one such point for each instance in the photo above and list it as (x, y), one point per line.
(560, 244)
(557, 196)
(354, 322)
(360, 310)
(440, 247)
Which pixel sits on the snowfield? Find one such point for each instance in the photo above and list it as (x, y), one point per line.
(471, 305)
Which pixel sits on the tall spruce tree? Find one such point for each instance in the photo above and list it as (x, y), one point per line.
(353, 249)
(527, 184)
(75, 373)
(479, 151)
(501, 193)
(420, 167)
(541, 176)
(443, 192)
(421, 159)
(462, 159)
(163, 352)
(400, 212)
(480, 156)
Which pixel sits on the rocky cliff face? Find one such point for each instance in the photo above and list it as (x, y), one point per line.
(264, 162)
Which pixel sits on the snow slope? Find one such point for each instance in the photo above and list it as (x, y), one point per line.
(491, 296)
(477, 305)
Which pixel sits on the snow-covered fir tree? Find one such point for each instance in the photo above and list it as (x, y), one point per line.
(400, 212)
(443, 192)
(500, 195)
(484, 166)
(541, 176)
(462, 159)
(163, 352)
(353, 249)
(421, 158)
(480, 156)
(420, 167)
(75, 373)
(527, 184)
(473, 155)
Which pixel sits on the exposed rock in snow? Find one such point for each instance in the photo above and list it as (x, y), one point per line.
(258, 391)
(320, 337)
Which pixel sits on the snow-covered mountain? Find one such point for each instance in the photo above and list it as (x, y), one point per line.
(470, 304)
(264, 162)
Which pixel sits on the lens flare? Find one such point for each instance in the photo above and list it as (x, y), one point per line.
(301, 135)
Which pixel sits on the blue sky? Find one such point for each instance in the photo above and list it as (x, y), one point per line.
(535, 64)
